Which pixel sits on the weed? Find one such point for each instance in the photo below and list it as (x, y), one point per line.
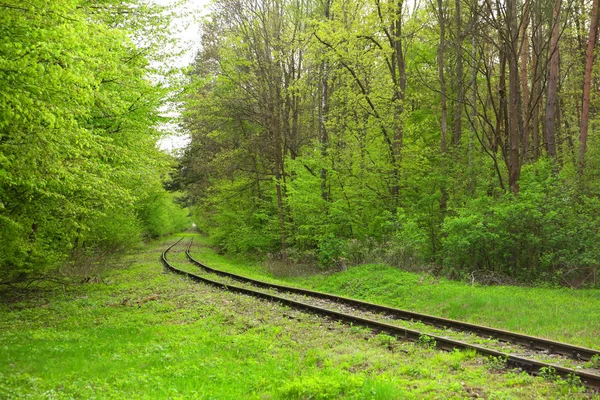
(519, 378)
(457, 366)
(357, 329)
(548, 373)
(415, 371)
(594, 362)
(496, 363)
(570, 385)
(330, 387)
(385, 340)
(427, 341)
(574, 383)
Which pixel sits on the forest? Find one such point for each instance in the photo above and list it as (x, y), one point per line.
(81, 178)
(455, 136)
(379, 199)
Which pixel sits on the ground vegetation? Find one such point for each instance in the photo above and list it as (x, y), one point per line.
(182, 340)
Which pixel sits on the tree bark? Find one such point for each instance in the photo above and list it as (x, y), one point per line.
(587, 87)
(535, 99)
(501, 132)
(460, 91)
(323, 111)
(400, 91)
(551, 96)
(444, 124)
(524, 80)
(474, 70)
(515, 124)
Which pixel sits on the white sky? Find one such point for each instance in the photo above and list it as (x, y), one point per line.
(186, 30)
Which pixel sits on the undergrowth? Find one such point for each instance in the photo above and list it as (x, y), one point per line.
(141, 333)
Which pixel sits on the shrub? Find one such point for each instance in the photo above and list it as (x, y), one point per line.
(160, 215)
(409, 244)
(543, 233)
(114, 231)
(331, 250)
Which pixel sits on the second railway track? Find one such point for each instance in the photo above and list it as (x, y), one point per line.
(370, 315)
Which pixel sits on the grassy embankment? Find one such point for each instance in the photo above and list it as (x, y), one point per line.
(146, 334)
(561, 314)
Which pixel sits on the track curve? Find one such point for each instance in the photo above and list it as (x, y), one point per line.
(532, 342)
(530, 366)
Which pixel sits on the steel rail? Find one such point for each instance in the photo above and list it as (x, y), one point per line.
(530, 366)
(531, 342)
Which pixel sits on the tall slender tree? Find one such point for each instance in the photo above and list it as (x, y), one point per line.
(587, 86)
(551, 96)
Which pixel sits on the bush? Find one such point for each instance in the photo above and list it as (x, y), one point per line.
(115, 231)
(160, 215)
(331, 251)
(409, 244)
(240, 232)
(543, 233)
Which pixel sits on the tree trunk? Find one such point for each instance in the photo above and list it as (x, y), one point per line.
(535, 99)
(444, 126)
(501, 132)
(276, 129)
(551, 96)
(587, 87)
(515, 125)
(400, 91)
(459, 76)
(524, 81)
(323, 111)
(474, 70)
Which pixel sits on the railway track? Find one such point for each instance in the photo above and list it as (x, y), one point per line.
(303, 299)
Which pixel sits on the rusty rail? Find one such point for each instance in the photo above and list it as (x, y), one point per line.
(531, 342)
(530, 366)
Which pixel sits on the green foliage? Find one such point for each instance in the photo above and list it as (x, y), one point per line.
(548, 373)
(427, 341)
(310, 138)
(114, 231)
(546, 231)
(496, 363)
(575, 383)
(594, 362)
(240, 224)
(160, 215)
(331, 250)
(410, 244)
(321, 388)
(78, 130)
(385, 340)
(571, 384)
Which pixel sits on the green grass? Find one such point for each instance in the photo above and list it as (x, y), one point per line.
(561, 314)
(148, 334)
